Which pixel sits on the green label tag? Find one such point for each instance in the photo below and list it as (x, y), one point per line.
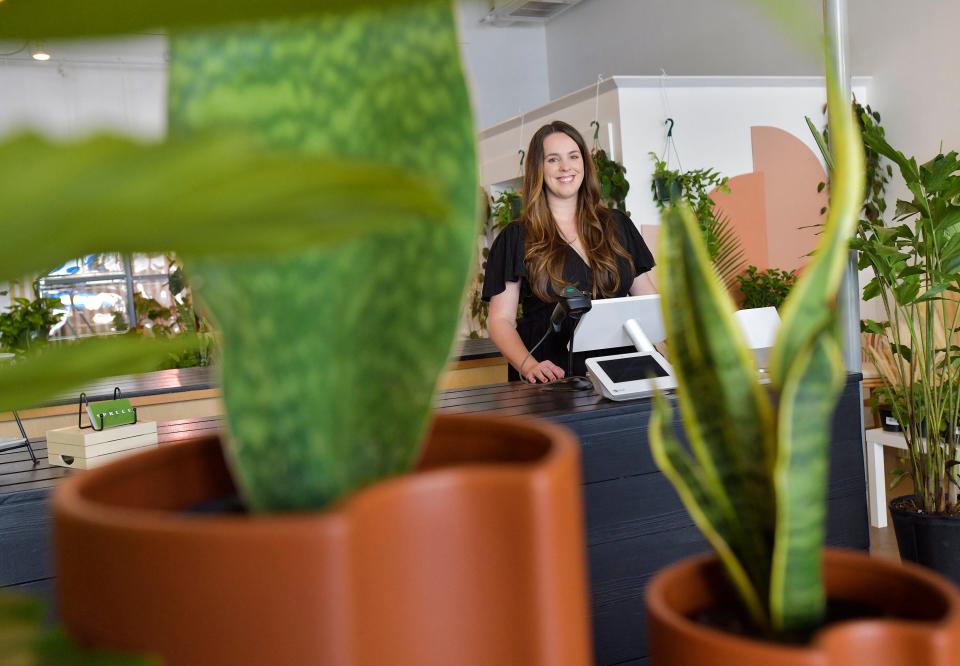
(114, 413)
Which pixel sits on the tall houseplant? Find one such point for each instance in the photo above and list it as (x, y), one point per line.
(754, 480)
(916, 266)
(319, 183)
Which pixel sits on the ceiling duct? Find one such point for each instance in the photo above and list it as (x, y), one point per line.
(507, 12)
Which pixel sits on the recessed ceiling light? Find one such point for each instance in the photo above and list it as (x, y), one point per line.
(37, 50)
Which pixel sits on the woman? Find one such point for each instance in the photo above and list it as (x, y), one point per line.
(565, 237)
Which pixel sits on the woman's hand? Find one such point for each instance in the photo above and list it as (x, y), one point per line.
(543, 372)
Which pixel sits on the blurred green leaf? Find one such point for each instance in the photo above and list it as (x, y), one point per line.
(61, 368)
(38, 19)
(815, 378)
(209, 195)
(699, 496)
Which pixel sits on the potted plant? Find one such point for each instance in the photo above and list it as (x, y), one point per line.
(754, 480)
(319, 185)
(665, 185)
(761, 289)
(916, 266)
(694, 187)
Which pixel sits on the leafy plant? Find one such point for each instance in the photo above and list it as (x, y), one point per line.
(723, 245)
(26, 323)
(306, 237)
(754, 479)
(24, 640)
(614, 185)
(878, 174)
(916, 265)
(760, 289)
(501, 211)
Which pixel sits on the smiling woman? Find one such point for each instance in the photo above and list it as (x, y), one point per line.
(564, 238)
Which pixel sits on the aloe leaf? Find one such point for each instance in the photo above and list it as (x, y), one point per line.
(37, 19)
(727, 414)
(59, 368)
(699, 495)
(809, 396)
(812, 302)
(209, 195)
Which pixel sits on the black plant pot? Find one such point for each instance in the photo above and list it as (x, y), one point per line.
(667, 191)
(888, 421)
(930, 540)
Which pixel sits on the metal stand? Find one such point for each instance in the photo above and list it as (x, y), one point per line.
(83, 401)
(22, 441)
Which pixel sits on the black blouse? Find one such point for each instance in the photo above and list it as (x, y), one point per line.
(505, 264)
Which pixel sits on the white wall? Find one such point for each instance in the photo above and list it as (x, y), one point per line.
(683, 37)
(506, 65)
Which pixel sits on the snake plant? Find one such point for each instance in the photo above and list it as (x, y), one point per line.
(754, 478)
(319, 183)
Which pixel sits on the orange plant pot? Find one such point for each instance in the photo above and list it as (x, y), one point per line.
(477, 558)
(919, 623)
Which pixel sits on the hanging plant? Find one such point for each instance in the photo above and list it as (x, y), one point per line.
(723, 244)
(613, 180)
(501, 211)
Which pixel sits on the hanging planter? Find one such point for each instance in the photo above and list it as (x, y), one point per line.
(665, 189)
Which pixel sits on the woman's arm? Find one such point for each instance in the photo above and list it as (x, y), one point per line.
(502, 324)
(643, 285)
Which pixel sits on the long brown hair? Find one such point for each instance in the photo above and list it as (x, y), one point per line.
(545, 250)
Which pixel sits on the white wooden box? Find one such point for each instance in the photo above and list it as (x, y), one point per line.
(83, 448)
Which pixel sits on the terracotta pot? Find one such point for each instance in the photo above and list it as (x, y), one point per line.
(478, 558)
(920, 623)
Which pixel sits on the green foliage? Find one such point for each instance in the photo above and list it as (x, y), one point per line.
(153, 319)
(878, 174)
(754, 478)
(916, 264)
(207, 195)
(761, 289)
(502, 210)
(723, 245)
(26, 324)
(614, 185)
(60, 368)
(24, 641)
(40, 19)
(308, 208)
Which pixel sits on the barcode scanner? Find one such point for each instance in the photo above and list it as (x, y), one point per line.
(573, 303)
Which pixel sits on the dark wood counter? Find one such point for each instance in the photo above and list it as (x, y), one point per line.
(635, 522)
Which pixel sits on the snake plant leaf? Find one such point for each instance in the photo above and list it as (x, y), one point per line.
(812, 302)
(809, 397)
(211, 194)
(700, 495)
(39, 19)
(727, 415)
(330, 356)
(59, 368)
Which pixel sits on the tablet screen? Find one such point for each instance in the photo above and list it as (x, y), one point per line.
(632, 368)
